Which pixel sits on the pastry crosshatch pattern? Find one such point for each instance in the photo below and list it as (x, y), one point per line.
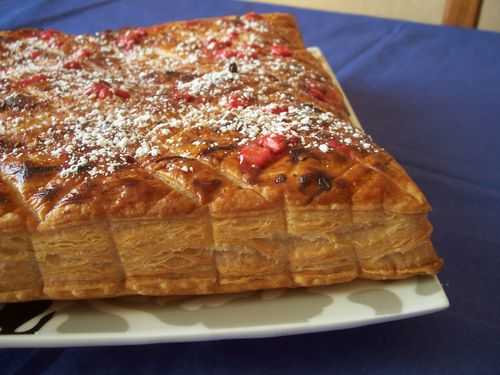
(194, 157)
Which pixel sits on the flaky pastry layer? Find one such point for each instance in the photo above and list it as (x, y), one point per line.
(196, 157)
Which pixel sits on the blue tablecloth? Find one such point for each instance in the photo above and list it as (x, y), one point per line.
(431, 96)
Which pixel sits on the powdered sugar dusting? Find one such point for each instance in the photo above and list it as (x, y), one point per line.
(202, 85)
(118, 98)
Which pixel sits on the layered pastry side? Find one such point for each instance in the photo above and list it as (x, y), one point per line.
(195, 157)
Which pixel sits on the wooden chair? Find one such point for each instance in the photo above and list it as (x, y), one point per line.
(463, 13)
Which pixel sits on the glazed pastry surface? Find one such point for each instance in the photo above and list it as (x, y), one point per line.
(195, 157)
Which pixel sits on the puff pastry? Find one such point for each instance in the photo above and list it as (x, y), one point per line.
(193, 157)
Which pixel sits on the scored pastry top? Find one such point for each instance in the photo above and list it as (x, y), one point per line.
(231, 114)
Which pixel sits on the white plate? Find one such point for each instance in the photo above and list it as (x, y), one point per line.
(143, 320)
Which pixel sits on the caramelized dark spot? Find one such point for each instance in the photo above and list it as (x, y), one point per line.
(73, 198)
(298, 154)
(228, 117)
(171, 157)
(86, 191)
(233, 68)
(46, 194)
(7, 145)
(207, 186)
(31, 171)
(17, 102)
(129, 159)
(380, 165)
(180, 76)
(279, 179)
(324, 182)
(4, 199)
(84, 168)
(251, 173)
(212, 149)
(28, 170)
(272, 78)
(304, 181)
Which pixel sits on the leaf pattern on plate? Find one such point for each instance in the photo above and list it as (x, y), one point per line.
(14, 315)
(380, 300)
(427, 286)
(204, 316)
(246, 310)
(83, 317)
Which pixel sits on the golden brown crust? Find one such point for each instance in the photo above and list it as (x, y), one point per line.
(194, 157)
